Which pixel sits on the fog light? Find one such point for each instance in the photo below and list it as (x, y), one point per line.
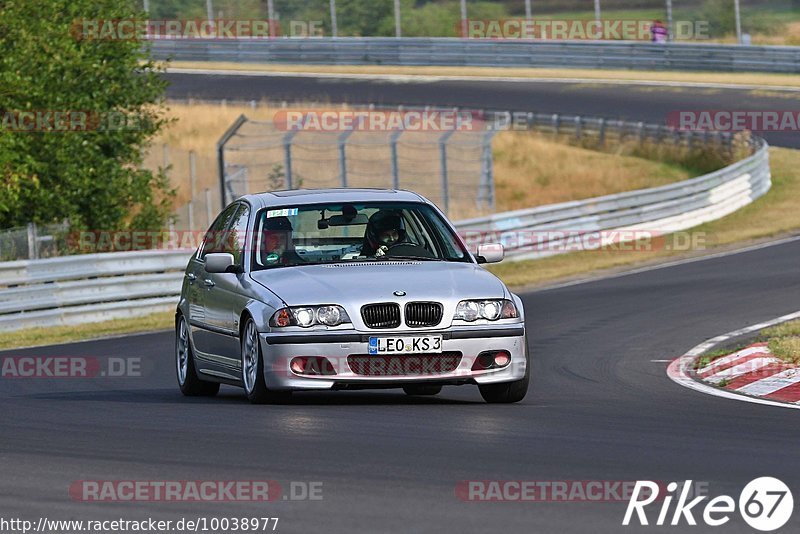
(491, 359)
(298, 365)
(312, 366)
(501, 359)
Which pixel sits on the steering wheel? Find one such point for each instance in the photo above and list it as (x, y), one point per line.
(408, 249)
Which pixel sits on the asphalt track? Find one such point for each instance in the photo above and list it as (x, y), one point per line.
(631, 102)
(600, 409)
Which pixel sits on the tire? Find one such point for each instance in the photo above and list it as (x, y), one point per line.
(422, 390)
(188, 381)
(507, 392)
(253, 382)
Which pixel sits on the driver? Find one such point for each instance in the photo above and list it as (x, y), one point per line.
(384, 230)
(277, 243)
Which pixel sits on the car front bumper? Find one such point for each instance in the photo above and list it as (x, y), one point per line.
(278, 350)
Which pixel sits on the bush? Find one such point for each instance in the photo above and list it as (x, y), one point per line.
(94, 178)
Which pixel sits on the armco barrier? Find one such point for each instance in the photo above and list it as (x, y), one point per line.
(414, 51)
(94, 287)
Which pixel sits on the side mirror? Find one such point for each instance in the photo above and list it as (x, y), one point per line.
(490, 253)
(220, 262)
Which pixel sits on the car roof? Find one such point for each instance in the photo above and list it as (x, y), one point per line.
(336, 195)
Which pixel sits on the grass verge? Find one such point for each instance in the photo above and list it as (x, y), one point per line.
(783, 340)
(31, 337)
(734, 78)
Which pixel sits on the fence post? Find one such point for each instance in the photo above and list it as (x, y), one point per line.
(395, 165)
(208, 208)
(443, 166)
(230, 132)
(602, 132)
(343, 156)
(192, 185)
(287, 157)
(487, 170)
(33, 249)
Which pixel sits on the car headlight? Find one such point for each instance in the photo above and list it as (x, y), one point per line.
(307, 316)
(491, 310)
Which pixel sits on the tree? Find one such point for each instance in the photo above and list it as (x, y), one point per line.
(94, 178)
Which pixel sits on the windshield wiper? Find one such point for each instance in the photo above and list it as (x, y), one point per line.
(408, 258)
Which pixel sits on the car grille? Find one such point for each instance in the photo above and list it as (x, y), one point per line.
(381, 315)
(404, 364)
(423, 313)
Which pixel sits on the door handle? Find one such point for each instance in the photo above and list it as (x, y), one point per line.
(209, 282)
(191, 277)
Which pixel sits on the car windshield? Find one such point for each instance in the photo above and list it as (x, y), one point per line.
(333, 233)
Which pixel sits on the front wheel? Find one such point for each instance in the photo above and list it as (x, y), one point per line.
(190, 384)
(253, 381)
(507, 392)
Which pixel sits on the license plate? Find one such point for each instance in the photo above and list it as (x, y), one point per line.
(405, 345)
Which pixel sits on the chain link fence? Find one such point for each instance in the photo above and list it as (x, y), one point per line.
(452, 168)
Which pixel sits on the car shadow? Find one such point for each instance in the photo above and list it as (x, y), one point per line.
(236, 396)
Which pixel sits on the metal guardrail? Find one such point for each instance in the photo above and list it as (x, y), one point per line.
(416, 51)
(540, 231)
(87, 288)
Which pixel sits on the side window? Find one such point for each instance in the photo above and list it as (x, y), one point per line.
(237, 238)
(214, 241)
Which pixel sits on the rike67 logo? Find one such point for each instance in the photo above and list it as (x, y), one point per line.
(766, 504)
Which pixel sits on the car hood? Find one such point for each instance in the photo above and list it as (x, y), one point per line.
(358, 282)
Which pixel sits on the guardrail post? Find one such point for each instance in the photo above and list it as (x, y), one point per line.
(578, 127)
(443, 168)
(640, 128)
(555, 122)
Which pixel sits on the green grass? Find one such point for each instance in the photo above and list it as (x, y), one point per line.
(783, 340)
(30, 337)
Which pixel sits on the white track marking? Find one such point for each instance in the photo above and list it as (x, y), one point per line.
(771, 384)
(679, 370)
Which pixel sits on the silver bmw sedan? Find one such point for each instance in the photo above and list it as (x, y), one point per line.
(345, 289)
